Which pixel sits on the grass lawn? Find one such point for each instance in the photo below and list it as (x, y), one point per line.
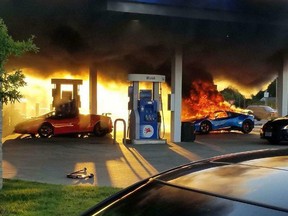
(31, 198)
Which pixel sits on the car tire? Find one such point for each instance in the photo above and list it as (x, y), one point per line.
(46, 130)
(205, 127)
(274, 141)
(98, 130)
(276, 138)
(247, 126)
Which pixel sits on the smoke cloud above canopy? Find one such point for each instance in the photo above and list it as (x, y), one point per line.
(73, 35)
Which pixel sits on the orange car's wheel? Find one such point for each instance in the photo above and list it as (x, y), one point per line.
(98, 130)
(46, 130)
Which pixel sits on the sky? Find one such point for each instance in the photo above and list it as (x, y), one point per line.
(73, 35)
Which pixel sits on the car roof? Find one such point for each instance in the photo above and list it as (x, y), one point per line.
(257, 106)
(257, 178)
(248, 176)
(279, 119)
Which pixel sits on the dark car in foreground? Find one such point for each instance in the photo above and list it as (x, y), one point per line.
(275, 130)
(56, 124)
(249, 183)
(224, 120)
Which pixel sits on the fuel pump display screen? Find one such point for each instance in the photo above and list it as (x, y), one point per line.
(146, 95)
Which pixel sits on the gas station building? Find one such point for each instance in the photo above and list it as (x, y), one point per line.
(221, 10)
(234, 11)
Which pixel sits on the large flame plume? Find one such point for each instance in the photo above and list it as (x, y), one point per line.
(204, 99)
(112, 98)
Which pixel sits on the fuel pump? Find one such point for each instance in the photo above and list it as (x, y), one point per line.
(147, 109)
(144, 109)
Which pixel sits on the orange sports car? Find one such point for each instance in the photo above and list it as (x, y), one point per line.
(51, 124)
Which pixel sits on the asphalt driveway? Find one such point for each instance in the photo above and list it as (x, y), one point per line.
(118, 165)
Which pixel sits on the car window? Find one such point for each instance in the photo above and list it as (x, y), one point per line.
(231, 114)
(269, 109)
(53, 115)
(220, 114)
(48, 115)
(159, 199)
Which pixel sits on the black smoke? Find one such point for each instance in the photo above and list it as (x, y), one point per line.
(77, 34)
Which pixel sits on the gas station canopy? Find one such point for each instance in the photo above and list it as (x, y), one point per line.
(146, 78)
(261, 11)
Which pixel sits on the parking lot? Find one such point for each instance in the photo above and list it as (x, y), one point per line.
(118, 165)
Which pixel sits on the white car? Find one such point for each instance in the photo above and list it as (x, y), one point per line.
(263, 112)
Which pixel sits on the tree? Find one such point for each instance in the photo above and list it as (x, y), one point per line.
(10, 81)
(232, 94)
(272, 88)
(258, 96)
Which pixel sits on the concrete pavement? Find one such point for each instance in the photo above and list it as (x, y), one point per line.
(118, 165)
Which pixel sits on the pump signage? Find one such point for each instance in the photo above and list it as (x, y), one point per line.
(146, 131)
(145, 106)
(146, 77)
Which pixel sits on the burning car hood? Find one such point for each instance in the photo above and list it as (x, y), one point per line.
(196, 119)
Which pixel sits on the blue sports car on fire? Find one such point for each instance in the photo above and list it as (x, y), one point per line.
(225, 120)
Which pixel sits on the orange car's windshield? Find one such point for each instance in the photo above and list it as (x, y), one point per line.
(47, 115)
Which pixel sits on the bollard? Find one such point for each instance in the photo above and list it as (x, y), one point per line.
(115, 130)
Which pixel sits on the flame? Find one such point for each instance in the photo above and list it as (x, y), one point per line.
(112, 97)
(204, 99)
